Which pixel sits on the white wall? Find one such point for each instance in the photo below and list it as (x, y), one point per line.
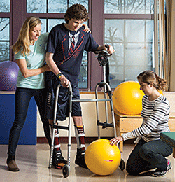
(89, 119)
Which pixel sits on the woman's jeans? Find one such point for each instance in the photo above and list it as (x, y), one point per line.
(148, 155)
(22, 99)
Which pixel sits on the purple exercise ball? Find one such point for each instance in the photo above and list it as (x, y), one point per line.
(8, 75)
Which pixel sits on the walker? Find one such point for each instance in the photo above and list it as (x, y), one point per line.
(103, 60)
(55, 126)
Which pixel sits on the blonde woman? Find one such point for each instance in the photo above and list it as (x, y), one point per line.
(29, 53)
(150, 151)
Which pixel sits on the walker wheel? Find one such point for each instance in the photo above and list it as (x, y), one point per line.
(122, 164)
(65, 171)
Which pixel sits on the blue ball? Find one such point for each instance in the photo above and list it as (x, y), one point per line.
(8, 75)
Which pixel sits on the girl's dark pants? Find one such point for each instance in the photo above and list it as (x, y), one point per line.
(148, 155)
(22, 99)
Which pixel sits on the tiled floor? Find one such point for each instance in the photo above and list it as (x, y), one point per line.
(33, 164)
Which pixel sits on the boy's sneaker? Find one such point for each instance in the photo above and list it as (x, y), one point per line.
(58, 160)
(80, 158)
(162, 173)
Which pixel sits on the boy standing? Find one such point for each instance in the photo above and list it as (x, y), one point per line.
(66, 43)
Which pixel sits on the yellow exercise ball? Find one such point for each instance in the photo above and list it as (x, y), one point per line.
(127, 98)
(102, 158)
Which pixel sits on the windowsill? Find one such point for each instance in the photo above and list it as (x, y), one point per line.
(7, 92)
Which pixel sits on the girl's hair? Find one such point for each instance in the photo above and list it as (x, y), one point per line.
(76, 11)
(23, 41)
(151, 77)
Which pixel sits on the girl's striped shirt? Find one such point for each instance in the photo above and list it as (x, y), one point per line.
(155, 120)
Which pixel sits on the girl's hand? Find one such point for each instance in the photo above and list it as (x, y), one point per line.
(86, 28)
(116, 140)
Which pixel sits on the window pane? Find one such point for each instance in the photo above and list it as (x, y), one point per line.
(57, 6)
(34, 6)
(82, 80)
(137, 28)
(5, 6)
(128, 6)
(83, 2)
(136, 59)
(133, 44)
(46, 27)
(149, 30)
(82, 83)
(54, 6)
(114, 30)
(4, 39)
(43, 26)
(54, 22)
(4, 51)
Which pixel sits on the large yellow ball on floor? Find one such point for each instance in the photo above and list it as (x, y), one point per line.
(127, 98)
(102, 158)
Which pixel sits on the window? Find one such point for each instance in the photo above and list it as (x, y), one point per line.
(5, 6)
(130, 30)
(4, 30)
(126, 24)
(52, 6)
(4, 39)
(128, 6)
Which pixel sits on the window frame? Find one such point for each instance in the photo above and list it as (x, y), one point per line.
(18, 13)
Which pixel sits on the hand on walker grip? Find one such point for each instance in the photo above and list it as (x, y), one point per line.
(64, 81)
(110, 49)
